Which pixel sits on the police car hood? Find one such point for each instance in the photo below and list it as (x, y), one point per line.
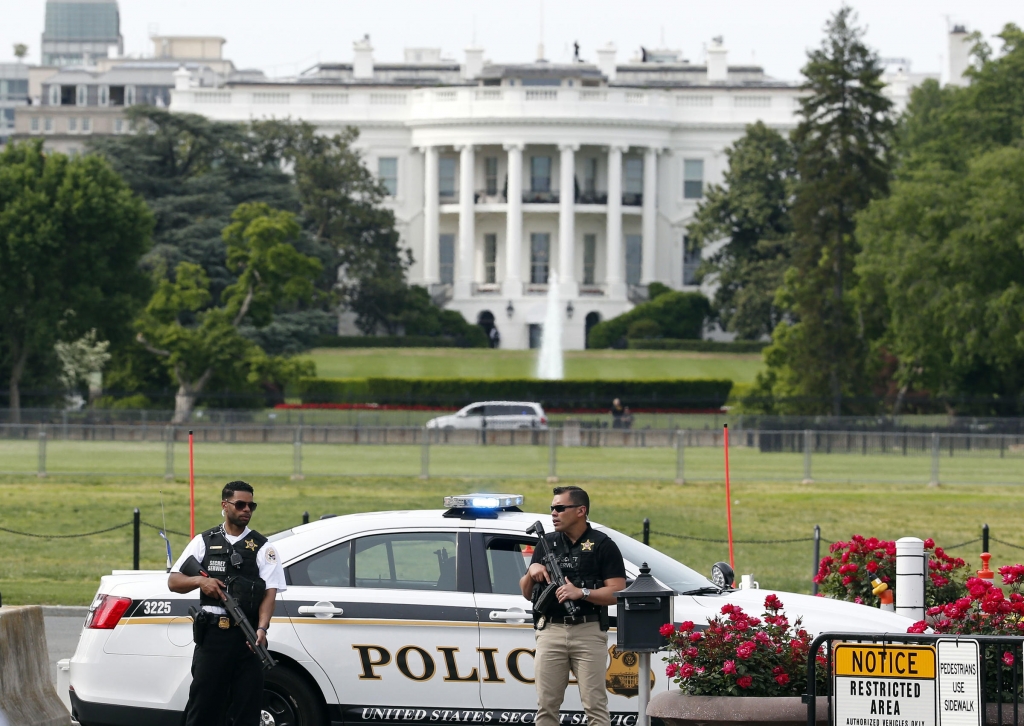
(819, 614)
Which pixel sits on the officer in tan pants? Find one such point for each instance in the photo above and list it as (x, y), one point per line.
(594, 572)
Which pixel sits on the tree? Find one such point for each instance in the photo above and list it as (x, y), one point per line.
(20, 51)
(82, 361)
(819, 356)
(196, 333)
(942, 269)
(751, 209)
(71, 236)
(676, 315)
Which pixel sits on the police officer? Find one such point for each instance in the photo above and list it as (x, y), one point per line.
(227, 678)
(594, 572)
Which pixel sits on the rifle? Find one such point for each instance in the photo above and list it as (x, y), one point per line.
(191, 568)
(543, 602)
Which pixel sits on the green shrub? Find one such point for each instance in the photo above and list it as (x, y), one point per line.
(457, 392)
(679, 315)
(699, 346)
(657, 289)
(644, 329)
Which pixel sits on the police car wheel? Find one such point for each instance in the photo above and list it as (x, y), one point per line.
(289, 701)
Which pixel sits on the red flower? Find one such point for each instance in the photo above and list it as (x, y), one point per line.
(695, 636)
(691, 652)
(667, 629)
(777, 670)
(729, 667)
(686, 671)
(929, 543)
(686, 626)
(1008, 659)
(671, 669)
(745, 682)
(919, 627)
(871, 566)
(782, 679)
(772, 602)
(746, 650)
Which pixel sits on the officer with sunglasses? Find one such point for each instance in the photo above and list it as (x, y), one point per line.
(594, 572)
(227, 678)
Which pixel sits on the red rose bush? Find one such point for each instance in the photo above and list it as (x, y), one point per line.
(740, 655)
(847, 571)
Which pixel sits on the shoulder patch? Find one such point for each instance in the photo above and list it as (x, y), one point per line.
(271, 555)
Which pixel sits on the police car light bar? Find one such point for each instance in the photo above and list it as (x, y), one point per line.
(483, 501)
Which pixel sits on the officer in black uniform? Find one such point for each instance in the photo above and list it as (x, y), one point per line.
(227, 678)
(594, 572)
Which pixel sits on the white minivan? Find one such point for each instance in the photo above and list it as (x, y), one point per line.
(494, 415)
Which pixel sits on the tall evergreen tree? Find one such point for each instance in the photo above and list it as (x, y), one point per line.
(750, 209)
(843, 140)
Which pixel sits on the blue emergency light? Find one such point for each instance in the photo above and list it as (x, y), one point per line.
(481, 504)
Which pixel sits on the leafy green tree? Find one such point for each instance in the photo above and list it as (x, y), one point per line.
(819, 354)
(71, 236)
(196, 333)
(942, 270)
(751, 209)
(676, 315)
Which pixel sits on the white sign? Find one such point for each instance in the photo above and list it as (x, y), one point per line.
(959, 677)
(884, 685)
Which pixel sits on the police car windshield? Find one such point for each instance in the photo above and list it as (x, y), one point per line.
(672, 574)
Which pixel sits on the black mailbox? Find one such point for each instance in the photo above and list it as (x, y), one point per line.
(642, 609)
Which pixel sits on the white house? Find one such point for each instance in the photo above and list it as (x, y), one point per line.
(501, 173)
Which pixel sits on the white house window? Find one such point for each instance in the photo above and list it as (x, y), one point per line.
(634, 258)
(540, 174)
(118, 126)
(81, 95)
(590, 175)
(691, 261)
(632, 180)
(72, 124)
(490, 258)
(48, 124)
(446, 255)
(446, 169)
(589, 258)
(693, 178)
(129, 95)
(387, 171)
(86, 125)
(104, 95)
(491, 175)
(34, 124)
(540, 251)
(55, 95)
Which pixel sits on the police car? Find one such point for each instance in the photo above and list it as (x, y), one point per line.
(393, 618)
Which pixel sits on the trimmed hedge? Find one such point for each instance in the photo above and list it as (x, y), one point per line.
(677, 315)
(457, 392)
(395, 341)
(699, 346)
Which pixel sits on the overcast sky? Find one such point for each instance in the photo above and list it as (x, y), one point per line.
(283, 38)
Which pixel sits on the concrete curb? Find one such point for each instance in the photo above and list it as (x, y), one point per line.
(65, 611)
(27, 696)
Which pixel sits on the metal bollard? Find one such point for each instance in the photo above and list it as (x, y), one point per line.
(817, 559)
(935, 461)
(552, 457)
(41, 470)
(647, 530)
(807, 457)
(169, 465)
(305, 517)
(680, 476)
(425, 455)
(984, 538)
(297, 455)
(136, 526)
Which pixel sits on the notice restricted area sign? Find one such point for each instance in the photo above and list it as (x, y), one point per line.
(959, 683)
(884, 685)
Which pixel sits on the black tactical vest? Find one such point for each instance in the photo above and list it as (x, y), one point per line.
(579, 562)
(243, 582)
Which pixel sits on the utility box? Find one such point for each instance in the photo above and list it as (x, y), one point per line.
(642, 609)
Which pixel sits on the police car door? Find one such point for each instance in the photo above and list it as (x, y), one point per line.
(390, 618)
(506, 627)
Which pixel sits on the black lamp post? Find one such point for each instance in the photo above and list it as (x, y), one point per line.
(510, 310)
(569, 310)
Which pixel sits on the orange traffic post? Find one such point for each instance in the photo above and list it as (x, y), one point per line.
(191, 487)
(985, 573)
(728, 499)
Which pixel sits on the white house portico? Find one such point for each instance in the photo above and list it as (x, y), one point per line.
(498, 174)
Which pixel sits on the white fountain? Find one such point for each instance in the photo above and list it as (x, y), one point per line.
(549, 364)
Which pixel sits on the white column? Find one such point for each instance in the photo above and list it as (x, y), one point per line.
(467, 228)
(649, 220)
(615, 283)
(567, 221)
(910, 575)
(431, 216)
(512, 285)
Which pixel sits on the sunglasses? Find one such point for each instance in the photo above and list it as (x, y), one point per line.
(240, 505)
(562, 507)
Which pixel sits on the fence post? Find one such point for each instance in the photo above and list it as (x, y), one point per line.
(984, 538)
(935, 462)
(807, 456)
(552, 457)
(136, 526)
(817, 559)
(297, 455)
(41, 471)
(169, 465)
(425, 455)
(647, 530)
(680, 477)
(305, 517)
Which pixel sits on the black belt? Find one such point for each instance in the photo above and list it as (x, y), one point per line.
(566, 620)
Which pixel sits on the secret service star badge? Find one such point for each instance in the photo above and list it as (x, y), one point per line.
(250, 544)
(587, 546)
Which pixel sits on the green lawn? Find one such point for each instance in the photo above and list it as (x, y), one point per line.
(486, 363)
(68, 571)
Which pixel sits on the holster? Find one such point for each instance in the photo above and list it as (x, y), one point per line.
(198, 625)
